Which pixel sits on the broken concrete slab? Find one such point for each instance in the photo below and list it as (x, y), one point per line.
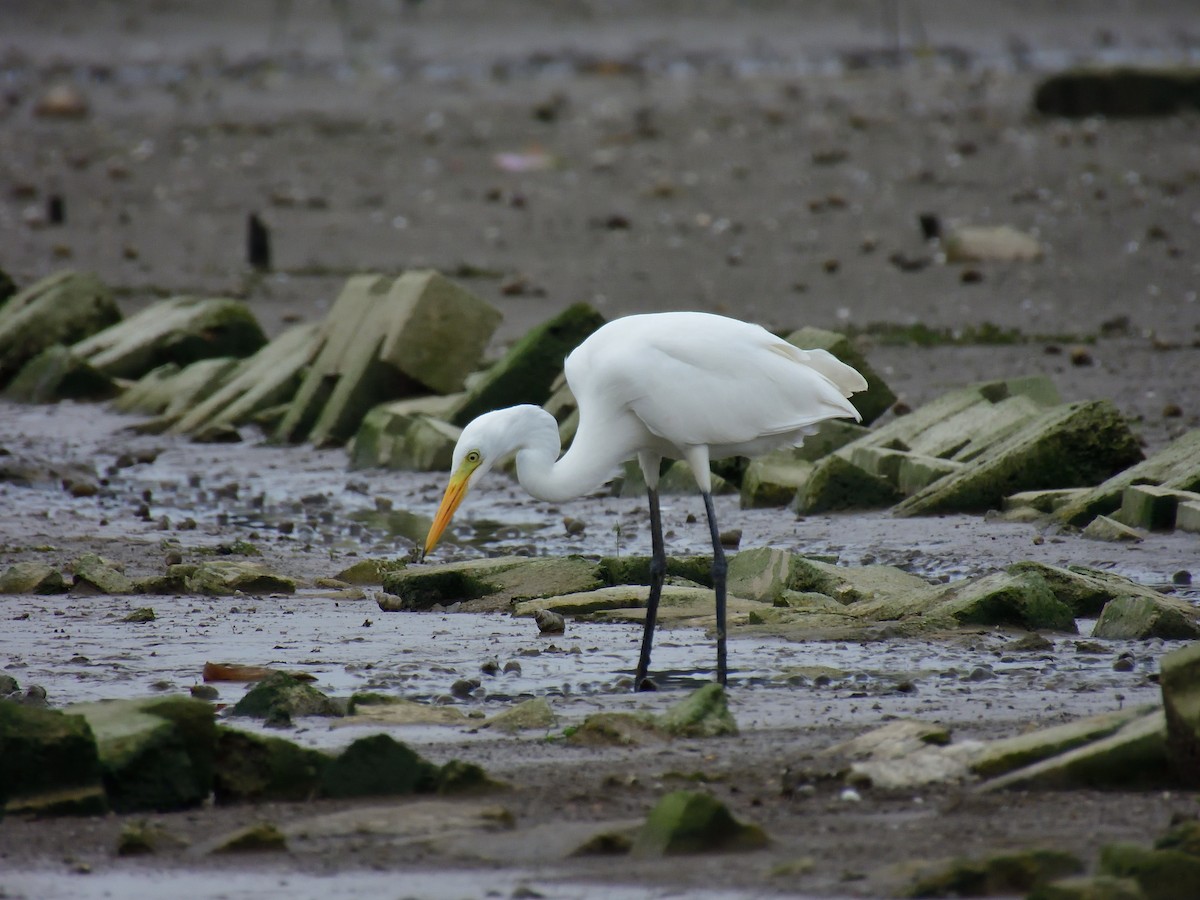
(1072, 445)
(1102, 528)
(1160, 874)
(1141, 617)
(1180, 679)
(526, 372)
(1176, 466)
(1047, 501)
(878, 397)
(1151, 506)
(60, 309)
(181, 330)
(223, 577)
(51, 763)
(437, 330)
(269, 377)
(1134, 756)
(1084, 590)
(1003, 598)
(156, 753)
(411, 443)
(171, 390)
(32, 578)
(493, 583)
(773, 480)
(1187, 517)
(836, 483)
(919, 472)
(58, 374)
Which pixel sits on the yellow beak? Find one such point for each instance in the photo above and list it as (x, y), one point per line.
(456, 490)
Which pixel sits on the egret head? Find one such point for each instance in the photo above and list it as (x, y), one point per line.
(480, 446)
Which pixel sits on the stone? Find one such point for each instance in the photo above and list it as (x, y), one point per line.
(1003, 873)
(607, 599)
(96, 575)
(1071, 445)
(918, 472)
(411, 443)
(1102, 528)
(1161, 874)
(437, 330)
(527, 371)
(620, 570)
(385, 710)
(1151, 506)
(1134, 756)
(1047, 501)
(282, 695)
(1187, 517)
(60, 309)
(141, 838)
(1138, 618)
(257, 838)
(685, 822)
(155, 754)
(703, 713)
(377, 766)
(891, 741)
(1008, 754)
(178, 330)
(32, 578)
(1002, 598)
(1182, 836)
(62, 101)
(773, 480)
(494, 583)
(534, 714)
(259, 383)
(1085, 591)
(990, 243)
(224, 577)
(878, 397)
(618, 729)
(57, 374)
(51, 763)
(1176, 466)
(1117, 92)
(1088, 887)
(462, 779)
(1179, 675)
(549, 622)
(677, 480)
(170, 391)
(836, 483)
(369, 571)
(251, 768)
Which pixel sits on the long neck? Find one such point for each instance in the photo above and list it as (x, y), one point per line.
(583, 468)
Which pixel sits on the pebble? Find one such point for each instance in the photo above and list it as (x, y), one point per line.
(1080, 356)
(1124, 663)
(463, 687)
(512, 666)
(204, 692)
(981, 673)
(549, 622)
(62, 101)
(490, 666)
(1183, 577)
(574, 526)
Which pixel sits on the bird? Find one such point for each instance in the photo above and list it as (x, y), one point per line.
(694, 386)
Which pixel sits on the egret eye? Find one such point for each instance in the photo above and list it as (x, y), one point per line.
(473, 456)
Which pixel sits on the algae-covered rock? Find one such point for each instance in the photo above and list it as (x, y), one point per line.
(1003, 873)
(1176, 466)
(51, 765)
(1182, 836)
(1085, 590)
(261, 837)
(773, 480)
(534, 714)
(282, 696)
(527, 371)
(837, 483)
(1102, 528)
(60, 309)
(223, 577)
(171, 390)
(1161, 874)
(703, 713)
(1133, 618)
(58, 374)
(1011, 753)
(377, 766)
(616, 570)
(1003, 598)
(618, 729)
(155, 754)
(438, 330)
(1068, 446)
(181, 330)
(694, 822)
(462, 779)
(1151, 506)
(1134, 756)
(408, 442)
(1088, 887)
(497, 581)
(250, 768)
(369, 571)
(96, 575)
(32, 578)
(1180, 679)
(878, 397)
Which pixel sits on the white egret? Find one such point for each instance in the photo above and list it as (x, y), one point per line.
(678, 385)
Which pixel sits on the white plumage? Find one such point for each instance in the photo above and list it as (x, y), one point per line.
(680, 385)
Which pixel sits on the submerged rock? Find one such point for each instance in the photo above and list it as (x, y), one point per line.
(694, 822)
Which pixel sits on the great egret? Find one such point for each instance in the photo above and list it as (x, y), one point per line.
(678, 385)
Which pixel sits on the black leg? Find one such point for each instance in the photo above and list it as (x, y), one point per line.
(658, 571)
(719, 568)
